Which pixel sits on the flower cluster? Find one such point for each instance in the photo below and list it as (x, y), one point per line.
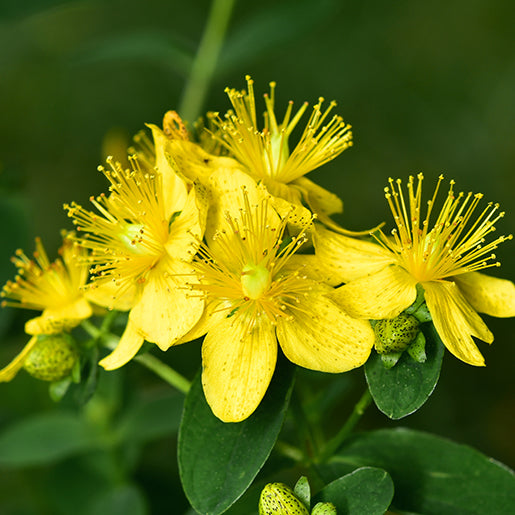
(217, 233)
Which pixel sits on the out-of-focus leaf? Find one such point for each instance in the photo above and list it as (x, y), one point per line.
(217, 460)
(403, 389)
(272, 28)
(366, 490)
(14, 234)
(432, 475)
(151, 418)
(146, 46)
(123, 500)
(45, 439)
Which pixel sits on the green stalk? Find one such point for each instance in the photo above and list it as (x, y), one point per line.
(203, 66)
(303, 426)
(110, 340)
(171, 376)
(333, 445)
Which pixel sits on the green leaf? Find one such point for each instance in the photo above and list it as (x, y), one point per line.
(404, 388)
(281, 23)
(432, 475)
(123, 500)
(152, 417)
(217, 460)
(366, 490)
(44, 439)
(146, 46)
(15, 217)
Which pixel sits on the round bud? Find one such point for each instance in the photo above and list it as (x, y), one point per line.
(395, 334)
(324, 508)
(52, 358)
(279, 499)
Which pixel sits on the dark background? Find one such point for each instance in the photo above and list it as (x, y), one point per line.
(427, 86)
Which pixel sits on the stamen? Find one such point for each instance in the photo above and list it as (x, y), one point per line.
(454, 245)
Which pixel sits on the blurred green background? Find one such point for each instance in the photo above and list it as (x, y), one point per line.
(427, 86)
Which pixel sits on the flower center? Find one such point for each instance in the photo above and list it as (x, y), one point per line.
(255, 280)
(130, 236)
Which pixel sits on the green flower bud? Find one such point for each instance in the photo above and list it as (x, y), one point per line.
(52, 358)
(324, 508)
(395, 334)
(278, 499)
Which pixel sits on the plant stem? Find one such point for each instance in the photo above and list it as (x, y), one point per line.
(165, 372)
(91, 329)
(206, 59)
(304, 427)
(149, 361)
(333, 444)
(289, 451)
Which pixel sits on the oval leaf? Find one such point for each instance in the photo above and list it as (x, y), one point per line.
(432, 475)
(217, 460)
(282, 22)
(43, 439)
(122, 500)
(403, 389)
(15, 216)
(152, 416)
(366, 490)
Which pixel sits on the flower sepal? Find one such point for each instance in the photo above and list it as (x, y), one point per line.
(395, 335)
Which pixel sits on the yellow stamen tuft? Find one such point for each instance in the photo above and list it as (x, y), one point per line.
(243, 266)
(128, 234)
(453, 245)
(266, 152)
(41, 284)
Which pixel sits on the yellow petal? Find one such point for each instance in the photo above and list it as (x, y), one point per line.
(175, 189)
(107, 294)
(227, 186)
(312, 267)
(128, 346)
(283, 191)
(187, 229)
(319, 199)
(57, 320)
(298, 216)
(456, 321)
(166, 311)
(490, 295)
(213, 313)
(238, 359)
(383, 294)
(195, 163)
(7, 373)
(349, 258)
(321, 336)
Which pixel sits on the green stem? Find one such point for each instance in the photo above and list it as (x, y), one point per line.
(333, 444)
(203, 66)
(149, 361)
(303, 425)
(165, 372)
(289, 451)
(91, 329)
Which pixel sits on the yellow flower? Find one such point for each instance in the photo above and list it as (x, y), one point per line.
(55, 288)
(444, 258)
(142, 240)
(266, 156)
(258, 296)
